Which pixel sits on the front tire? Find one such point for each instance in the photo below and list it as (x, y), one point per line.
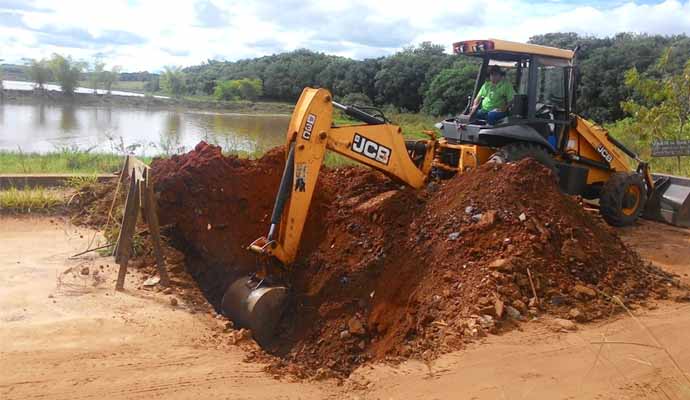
(623, 198)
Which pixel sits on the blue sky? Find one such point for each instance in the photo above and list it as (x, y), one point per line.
(148, 34)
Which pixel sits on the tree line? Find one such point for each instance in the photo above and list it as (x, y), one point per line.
(424, 78)
(419, 78)
(67, 72)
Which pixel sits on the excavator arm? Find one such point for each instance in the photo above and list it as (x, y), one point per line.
(374, 143)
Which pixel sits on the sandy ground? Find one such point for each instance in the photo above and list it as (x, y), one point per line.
(69, 335)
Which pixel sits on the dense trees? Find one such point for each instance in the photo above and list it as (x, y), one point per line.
(424, 77)
(603, 63)
(174, 81)
(449, 90)
(660, 106)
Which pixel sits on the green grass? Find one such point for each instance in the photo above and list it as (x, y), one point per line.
(663, 165)
(28, 200)
(65, 161)
(125, 86)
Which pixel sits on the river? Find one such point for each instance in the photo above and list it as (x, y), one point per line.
(45, 128)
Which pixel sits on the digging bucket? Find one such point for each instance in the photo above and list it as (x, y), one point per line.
(669, 201)
(255, 304)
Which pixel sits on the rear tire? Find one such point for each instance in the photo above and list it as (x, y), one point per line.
(623, 198)
(517, 151)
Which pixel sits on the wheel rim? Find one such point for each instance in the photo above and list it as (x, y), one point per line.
(632, 192)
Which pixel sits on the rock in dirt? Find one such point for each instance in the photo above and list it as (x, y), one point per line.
(513, 313)
(519, 305)
(572, 248)
(85, 270)
(173, 301)
(565, 324)
(683, 298)
(577, 315)
(498, 309)
(355, 326)
(241, 336)
(152, 281)
(501, 264)
(488, 219)
(584, 292)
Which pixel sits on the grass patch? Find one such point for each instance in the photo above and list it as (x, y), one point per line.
(124, 86)
(30, 200)
(60, 162)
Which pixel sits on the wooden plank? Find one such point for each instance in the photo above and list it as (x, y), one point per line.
(135, 167)
(123, 250)
(154, 228)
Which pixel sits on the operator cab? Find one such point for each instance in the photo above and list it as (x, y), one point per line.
(542, 79)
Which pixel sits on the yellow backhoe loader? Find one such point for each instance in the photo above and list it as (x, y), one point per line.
(540, 124)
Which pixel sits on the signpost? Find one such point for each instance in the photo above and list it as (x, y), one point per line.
(671, 148)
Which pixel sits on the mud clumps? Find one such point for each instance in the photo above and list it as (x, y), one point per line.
(388, 273)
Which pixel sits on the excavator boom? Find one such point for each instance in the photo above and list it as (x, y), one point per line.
(311, 132)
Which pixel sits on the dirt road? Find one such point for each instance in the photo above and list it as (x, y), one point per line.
(69, 335)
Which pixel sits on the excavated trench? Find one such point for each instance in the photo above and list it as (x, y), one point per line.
(387, 272)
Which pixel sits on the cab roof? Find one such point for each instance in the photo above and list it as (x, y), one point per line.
(503, 49)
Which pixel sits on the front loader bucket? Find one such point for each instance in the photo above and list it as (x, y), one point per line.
(254, 304)
(669, 201)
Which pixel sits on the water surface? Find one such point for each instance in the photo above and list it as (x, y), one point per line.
(45, 128)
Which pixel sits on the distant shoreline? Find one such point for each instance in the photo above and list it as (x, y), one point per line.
(143, 102)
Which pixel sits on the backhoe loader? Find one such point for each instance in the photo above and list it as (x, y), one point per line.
(541, 124)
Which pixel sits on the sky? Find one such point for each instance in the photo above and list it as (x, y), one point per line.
(149, 34)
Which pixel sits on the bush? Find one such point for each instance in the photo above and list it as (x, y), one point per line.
(39, 72)
(359, 99)
(66, 72)
(174, 81)
(241, 89)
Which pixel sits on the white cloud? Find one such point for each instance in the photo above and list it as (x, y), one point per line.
(187, 32)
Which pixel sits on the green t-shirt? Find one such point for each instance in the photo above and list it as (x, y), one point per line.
(496, 96)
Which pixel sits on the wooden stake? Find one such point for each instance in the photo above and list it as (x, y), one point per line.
(154, 229)
(123, 251)
(531, 283)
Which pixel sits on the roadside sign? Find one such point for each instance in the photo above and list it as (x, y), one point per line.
(671, 148)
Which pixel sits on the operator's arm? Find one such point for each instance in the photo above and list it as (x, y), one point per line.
(478, 99)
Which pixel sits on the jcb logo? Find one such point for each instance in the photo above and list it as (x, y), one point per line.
(605, 153)
(309, 126)
(370, 149)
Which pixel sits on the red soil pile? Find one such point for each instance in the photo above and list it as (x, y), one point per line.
(390, 272)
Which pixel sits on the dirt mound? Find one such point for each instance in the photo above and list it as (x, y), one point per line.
(91, 204)
(389, 272)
